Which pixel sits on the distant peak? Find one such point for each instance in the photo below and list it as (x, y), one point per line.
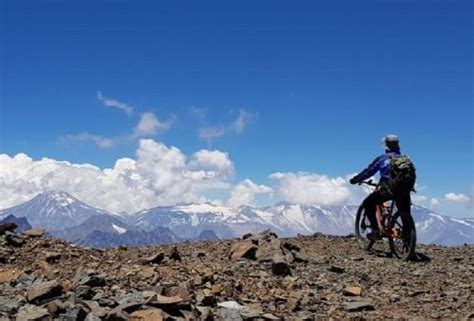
(61, 197)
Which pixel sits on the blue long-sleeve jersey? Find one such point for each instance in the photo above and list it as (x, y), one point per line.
(381, 164)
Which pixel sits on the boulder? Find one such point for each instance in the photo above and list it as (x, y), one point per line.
(245, 249)
(280, 266)
(154, 259)
(268, 248)
(44, 290)
(34, 232)
(32, 313)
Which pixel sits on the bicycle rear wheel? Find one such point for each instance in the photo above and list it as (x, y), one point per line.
(403, 244)
(362, 226)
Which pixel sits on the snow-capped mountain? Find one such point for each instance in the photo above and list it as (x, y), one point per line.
(433, 228)
(53, 210)
(66, 217)
(291, 219)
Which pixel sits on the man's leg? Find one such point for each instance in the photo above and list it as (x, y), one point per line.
(403, 202)
(370, 205)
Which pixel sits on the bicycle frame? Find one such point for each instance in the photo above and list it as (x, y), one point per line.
(384, 214)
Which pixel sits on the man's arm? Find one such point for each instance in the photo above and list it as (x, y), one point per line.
(370, 171)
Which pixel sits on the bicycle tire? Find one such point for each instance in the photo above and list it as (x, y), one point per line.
(361, 218)
(403, 247)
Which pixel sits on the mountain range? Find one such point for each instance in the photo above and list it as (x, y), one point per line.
(64, 216)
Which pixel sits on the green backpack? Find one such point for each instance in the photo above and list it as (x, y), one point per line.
(403, 174)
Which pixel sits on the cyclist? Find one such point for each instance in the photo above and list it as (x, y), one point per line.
(390, 187)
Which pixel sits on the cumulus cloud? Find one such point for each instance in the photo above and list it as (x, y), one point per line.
(150, 125)
(157, 175)
(419, 198)
(313, 189)
(100, 141)
(244, 193)
(458, 198)
(114, 103)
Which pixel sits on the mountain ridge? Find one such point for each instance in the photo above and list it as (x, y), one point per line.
(64, 216)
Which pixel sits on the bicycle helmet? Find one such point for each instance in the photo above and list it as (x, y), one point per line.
(391, 143)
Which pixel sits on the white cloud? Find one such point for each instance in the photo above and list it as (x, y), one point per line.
(244, 193)
(458, 198)
(114, 103)
(158, 175)
(211, 133)
(434, 203)
(242, 120)
(100, 141)
(419, 198)
(237, 126)
(150, 125)
(311, 188)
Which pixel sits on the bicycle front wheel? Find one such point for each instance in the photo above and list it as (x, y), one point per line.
(362, 226)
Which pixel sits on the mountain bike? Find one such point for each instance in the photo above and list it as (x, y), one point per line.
(397, 226)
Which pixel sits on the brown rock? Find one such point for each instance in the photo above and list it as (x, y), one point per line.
(147, 273)
(44, 290)
(176, 291)
(45, 269)
(154, 259)
(159, 300)
(216, 289)
(243, 249)
(32, 313)
(9, 275)
(280, 266)
(353, 291)
(55, 307)
(147, 315)
(35, 232)
(268, 248)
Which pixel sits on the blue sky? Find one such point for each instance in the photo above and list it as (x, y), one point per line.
(315, 84)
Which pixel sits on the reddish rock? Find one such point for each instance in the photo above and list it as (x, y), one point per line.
(243, 250)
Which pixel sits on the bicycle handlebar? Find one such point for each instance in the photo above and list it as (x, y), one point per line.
(370, 183)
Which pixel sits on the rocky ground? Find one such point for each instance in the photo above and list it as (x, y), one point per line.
(258, 278)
